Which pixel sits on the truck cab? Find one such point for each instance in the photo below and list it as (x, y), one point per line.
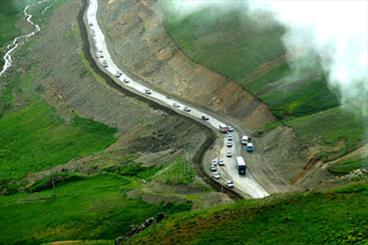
(223, 129)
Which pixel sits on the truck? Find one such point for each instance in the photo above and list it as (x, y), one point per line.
(245, 139)
(223, 128)
(241, 165)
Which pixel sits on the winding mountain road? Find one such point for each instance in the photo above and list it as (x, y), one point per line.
(244, 184)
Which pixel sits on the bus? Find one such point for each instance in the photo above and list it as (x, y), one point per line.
(241, 165)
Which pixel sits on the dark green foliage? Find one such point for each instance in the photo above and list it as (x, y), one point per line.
(346, 167)
(58, 179)
(134, 169)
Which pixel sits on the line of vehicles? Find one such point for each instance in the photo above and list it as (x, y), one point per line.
(225, 129)
(240, 163)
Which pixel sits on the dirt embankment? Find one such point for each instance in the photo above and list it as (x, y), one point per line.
(139, 43)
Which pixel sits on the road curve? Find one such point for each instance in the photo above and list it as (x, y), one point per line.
(244, 184)
(14, 45)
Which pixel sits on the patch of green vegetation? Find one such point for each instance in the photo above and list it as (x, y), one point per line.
(55, 179)
(229, 42)
(35, 138)
(329, 127)
(251, 53)
(89, 242)
(93, 208)
(334, 217)
(299, 98)
(179, 172)
(133, 169)
(346, 167)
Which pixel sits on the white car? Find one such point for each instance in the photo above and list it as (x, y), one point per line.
(214, 162)
(213, 168)
(221, 163)
(148, 91)
(229, 183)
(216, 175)
(229, 144)
(245, 139)
(230, 129)
(126, 80)
(187, 109)
(176, 105)
(118, 74)
(104, 63)
(229, 154)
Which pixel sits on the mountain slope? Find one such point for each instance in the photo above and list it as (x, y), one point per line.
(333, 217)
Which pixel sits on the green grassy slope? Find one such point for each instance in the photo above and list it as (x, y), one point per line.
(252, 54)
(335, 217)
(33, 137)
(330, 127)
(93, 208)
(345, 167)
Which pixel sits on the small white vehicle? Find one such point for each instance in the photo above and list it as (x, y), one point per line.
(148, 91)
(216, 175)
(187, 109)
(230, 129)
(221, 163)
(229, 183)
(213, 168)
(118, 74)
(245, 139)
(229, 154)
(126, 80)
(229, 144)
(104, 63)
(204, 117)
(101, 56)
(176, 105)
(214, 162)
(229, 137)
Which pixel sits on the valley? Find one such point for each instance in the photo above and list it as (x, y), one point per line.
(111, 119)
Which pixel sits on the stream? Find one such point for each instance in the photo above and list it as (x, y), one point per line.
(14, 45)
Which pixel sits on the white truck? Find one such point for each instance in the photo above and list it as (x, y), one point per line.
(241, 165)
